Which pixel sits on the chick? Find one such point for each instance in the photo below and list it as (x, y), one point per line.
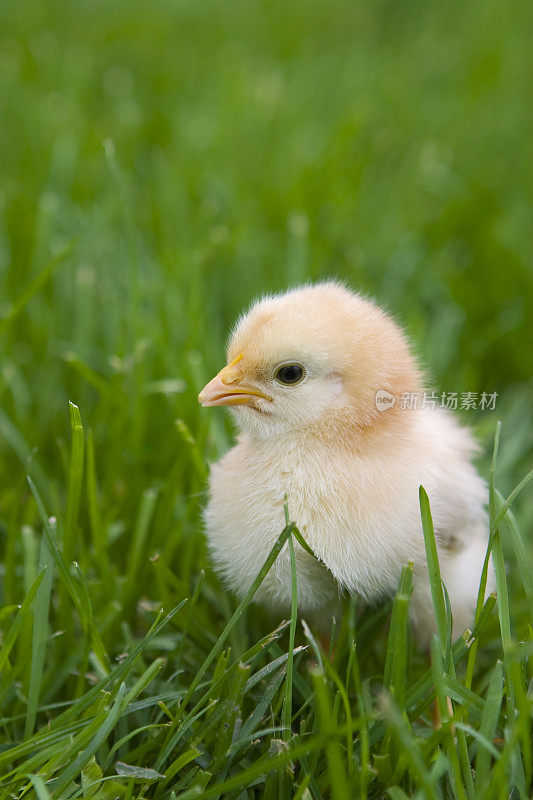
(305, 374)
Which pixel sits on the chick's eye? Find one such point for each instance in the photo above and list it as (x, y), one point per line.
(289, 374)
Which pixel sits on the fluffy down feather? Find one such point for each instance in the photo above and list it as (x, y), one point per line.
(350, 471)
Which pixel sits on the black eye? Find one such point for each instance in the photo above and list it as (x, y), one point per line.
(289, 374)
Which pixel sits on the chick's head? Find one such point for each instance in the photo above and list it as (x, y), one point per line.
(313, 359)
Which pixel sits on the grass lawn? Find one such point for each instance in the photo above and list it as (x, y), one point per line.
(163, 164)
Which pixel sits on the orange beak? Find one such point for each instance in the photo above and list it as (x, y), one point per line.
(227, 389)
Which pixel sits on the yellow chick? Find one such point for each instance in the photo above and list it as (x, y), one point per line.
(317, 380)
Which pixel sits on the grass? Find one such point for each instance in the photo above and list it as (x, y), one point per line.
(162, 165)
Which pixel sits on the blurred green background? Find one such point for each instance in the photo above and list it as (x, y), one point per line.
(164, 163)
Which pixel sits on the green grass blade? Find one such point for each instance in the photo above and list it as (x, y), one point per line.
(195, 451)
(40, 636)
(410, 747)
(523, 557)
(259, 711)
(433, 568)
(395, 672)
(140, 534)
(40, 788)
(59, 560)
(74, 768)
(363, 706)
(459, 788)
(22, 615)
(220, 763)
(516, 703)
(487, 729)
(95, 639)
(98, 535)
(395, 793)
(342, 693)
(287, 705)
(337, 770)
(499, 516)
(75, 477)
(181, 762)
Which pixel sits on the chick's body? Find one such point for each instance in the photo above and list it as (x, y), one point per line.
(350, 471)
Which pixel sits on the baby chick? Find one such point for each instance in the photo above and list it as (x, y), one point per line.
(305, 374)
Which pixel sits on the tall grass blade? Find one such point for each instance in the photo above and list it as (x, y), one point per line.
(395, 672)
(20, 619)
(74, 485)
(142, 526)
(337, 770)
(487, 729)
(433, 569)
(287, 706)
(40, 636)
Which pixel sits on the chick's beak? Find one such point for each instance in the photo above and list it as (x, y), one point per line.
(227, 389)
